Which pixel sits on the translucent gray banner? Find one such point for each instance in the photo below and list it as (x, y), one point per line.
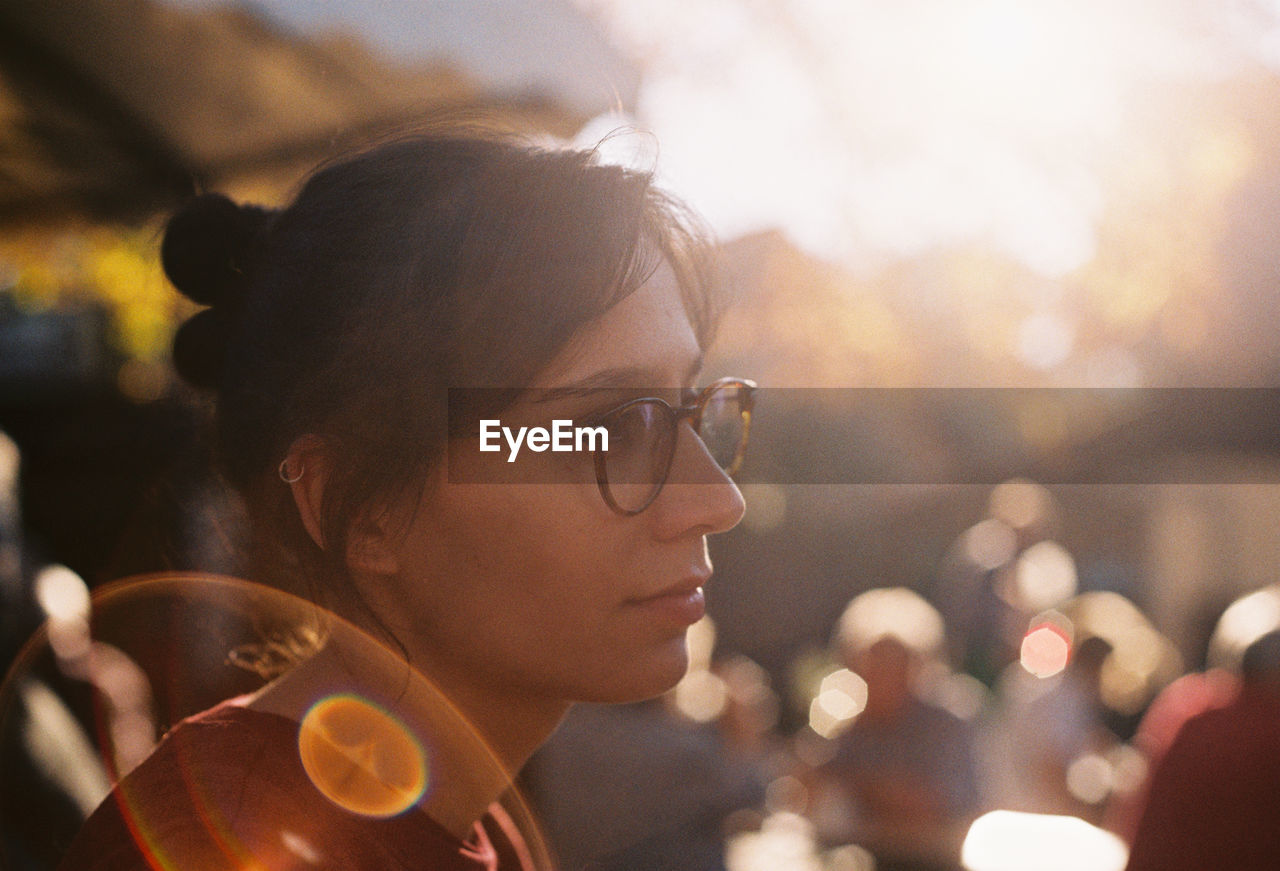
(915, 436)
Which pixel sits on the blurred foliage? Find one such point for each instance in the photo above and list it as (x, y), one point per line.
(112, 268)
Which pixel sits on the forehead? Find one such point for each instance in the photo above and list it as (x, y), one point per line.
(648, 335)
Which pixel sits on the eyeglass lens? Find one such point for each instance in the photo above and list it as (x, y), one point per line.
(641, 443)
(723, 427)
(642, 439)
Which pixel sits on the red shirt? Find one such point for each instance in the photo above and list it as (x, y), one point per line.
(226, 790)
(1215, 796)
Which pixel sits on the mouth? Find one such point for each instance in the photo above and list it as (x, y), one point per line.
(683, 603)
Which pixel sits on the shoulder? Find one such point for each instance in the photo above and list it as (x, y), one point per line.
(191, 797)
(227, 790)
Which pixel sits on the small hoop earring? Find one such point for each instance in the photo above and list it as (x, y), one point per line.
(284, 472)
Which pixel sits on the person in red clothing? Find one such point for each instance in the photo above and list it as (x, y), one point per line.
(338, 336)
(1214, 797)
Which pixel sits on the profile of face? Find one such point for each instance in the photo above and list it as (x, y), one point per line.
(543, 591)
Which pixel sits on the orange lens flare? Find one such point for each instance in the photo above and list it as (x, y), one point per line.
(362, 758)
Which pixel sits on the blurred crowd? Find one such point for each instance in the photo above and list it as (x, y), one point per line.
(1012, 723)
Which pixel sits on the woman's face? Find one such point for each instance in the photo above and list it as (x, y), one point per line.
(542, 590)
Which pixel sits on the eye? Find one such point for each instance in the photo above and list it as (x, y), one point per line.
(629, 426)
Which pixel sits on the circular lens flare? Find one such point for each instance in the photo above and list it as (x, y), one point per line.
(361, 757)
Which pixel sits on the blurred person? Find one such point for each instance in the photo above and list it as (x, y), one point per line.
(623, 787)
(988, 583)
(1043, 726)
(748, 724)
(1214, 796)
(1184, 698)
(660, 784)
(1243, 622)
(333, 331)
(905, 764)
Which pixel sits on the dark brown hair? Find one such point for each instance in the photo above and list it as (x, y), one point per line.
(425, 263)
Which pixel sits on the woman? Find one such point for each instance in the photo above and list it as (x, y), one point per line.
(335, 330)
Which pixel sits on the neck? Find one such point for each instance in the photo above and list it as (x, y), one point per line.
(476, 741)
(513, 723)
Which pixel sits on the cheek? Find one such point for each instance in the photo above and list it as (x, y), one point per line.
(528, 542)
(537, 605)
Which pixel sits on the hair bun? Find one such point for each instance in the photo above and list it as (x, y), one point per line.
(200, 348)
(209, 245)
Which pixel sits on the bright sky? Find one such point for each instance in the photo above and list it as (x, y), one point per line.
(869, 129)
(866, 130)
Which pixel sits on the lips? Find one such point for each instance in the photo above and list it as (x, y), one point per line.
(683, 602)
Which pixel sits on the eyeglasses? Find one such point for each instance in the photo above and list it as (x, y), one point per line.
(643, 435)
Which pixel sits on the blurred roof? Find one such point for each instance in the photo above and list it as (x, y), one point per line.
(113, 108)
(561, 50)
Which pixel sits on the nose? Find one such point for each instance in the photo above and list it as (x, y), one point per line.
(698, 498)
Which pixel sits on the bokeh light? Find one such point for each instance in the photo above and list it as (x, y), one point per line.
(10, 466)
(1046, 648)
(700, 638)
(785, 840)
(361, 757)
(1141, 660)
(64, 598)
(62, 594)
(301, 847)
(1090, 778)
(766, 507)
(989, 544)
(891, 611)
(1243, 622)
(1044, 576)
(1014, 841)
(111, 267)
(841, 697)
(1020, 504)
(701, 696)
(60, 749)
(850, 857)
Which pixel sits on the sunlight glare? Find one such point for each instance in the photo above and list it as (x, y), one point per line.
(867, 131)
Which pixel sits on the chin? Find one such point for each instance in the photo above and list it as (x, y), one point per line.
(644, 676)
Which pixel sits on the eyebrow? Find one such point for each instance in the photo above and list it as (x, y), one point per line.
(615, 378)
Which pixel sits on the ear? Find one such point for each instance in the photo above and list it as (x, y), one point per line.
(306, 470)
